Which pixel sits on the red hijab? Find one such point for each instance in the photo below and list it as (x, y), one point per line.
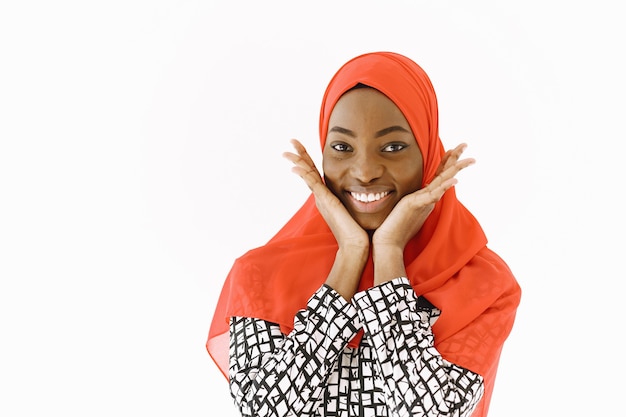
(447, 261)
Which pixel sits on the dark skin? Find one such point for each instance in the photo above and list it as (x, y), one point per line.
(370, 196)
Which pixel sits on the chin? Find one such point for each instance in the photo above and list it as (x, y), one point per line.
(370, 225)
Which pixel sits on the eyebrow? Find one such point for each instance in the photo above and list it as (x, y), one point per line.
(390, 129)
(378, 134)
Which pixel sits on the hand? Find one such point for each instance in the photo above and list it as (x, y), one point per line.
(352, 239)
(345, 229)
(409, 215)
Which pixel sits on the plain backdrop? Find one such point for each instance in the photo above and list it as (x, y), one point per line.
(140, 154)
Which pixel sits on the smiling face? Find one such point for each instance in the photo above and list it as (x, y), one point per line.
(371, 158)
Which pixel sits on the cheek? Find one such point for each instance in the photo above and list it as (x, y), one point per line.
(332, 185)
(411, 180)
(331, 172)
(332, 180)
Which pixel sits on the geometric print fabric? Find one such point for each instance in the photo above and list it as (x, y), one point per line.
(395, 371)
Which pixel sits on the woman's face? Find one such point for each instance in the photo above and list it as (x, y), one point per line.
(371, 158)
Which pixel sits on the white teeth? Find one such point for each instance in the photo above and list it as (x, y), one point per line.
(368, 198)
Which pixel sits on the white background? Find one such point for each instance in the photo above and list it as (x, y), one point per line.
(140, 154)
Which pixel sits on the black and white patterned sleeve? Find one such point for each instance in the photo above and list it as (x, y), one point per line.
(418, 381)
(275, 375)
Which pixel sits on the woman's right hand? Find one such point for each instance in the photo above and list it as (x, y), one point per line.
(352, 239)
(345, 229)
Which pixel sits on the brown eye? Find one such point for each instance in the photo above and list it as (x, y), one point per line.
(341, 147)
(394, 147)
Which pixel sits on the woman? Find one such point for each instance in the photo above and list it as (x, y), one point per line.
(379, 297)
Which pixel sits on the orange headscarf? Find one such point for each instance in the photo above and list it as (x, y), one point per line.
(447, 261)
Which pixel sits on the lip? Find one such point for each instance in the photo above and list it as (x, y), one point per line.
(371, 206)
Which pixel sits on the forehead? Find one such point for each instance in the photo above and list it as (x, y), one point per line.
(366, 105)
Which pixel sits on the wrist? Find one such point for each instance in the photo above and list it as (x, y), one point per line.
(346, 271)
(388, 263)
(354, 253)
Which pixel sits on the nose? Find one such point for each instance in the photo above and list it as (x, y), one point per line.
(367, 167)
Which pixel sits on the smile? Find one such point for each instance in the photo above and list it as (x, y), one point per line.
(368, 198)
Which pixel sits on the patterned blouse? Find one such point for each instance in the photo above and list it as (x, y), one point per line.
(395, 371)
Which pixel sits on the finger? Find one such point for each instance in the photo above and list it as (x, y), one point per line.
(454, 155)
(443, 164)
(432, 194)
(304, 166)
(299, 147)
(451, 171)
(442, 183)
(308, 173)
(461, 164)
(450, 157)
(295, 159)
(459, 149)
(302, 158)
(299, 163)
(438, 191)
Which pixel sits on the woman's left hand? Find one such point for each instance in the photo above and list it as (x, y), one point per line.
(408, 216)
